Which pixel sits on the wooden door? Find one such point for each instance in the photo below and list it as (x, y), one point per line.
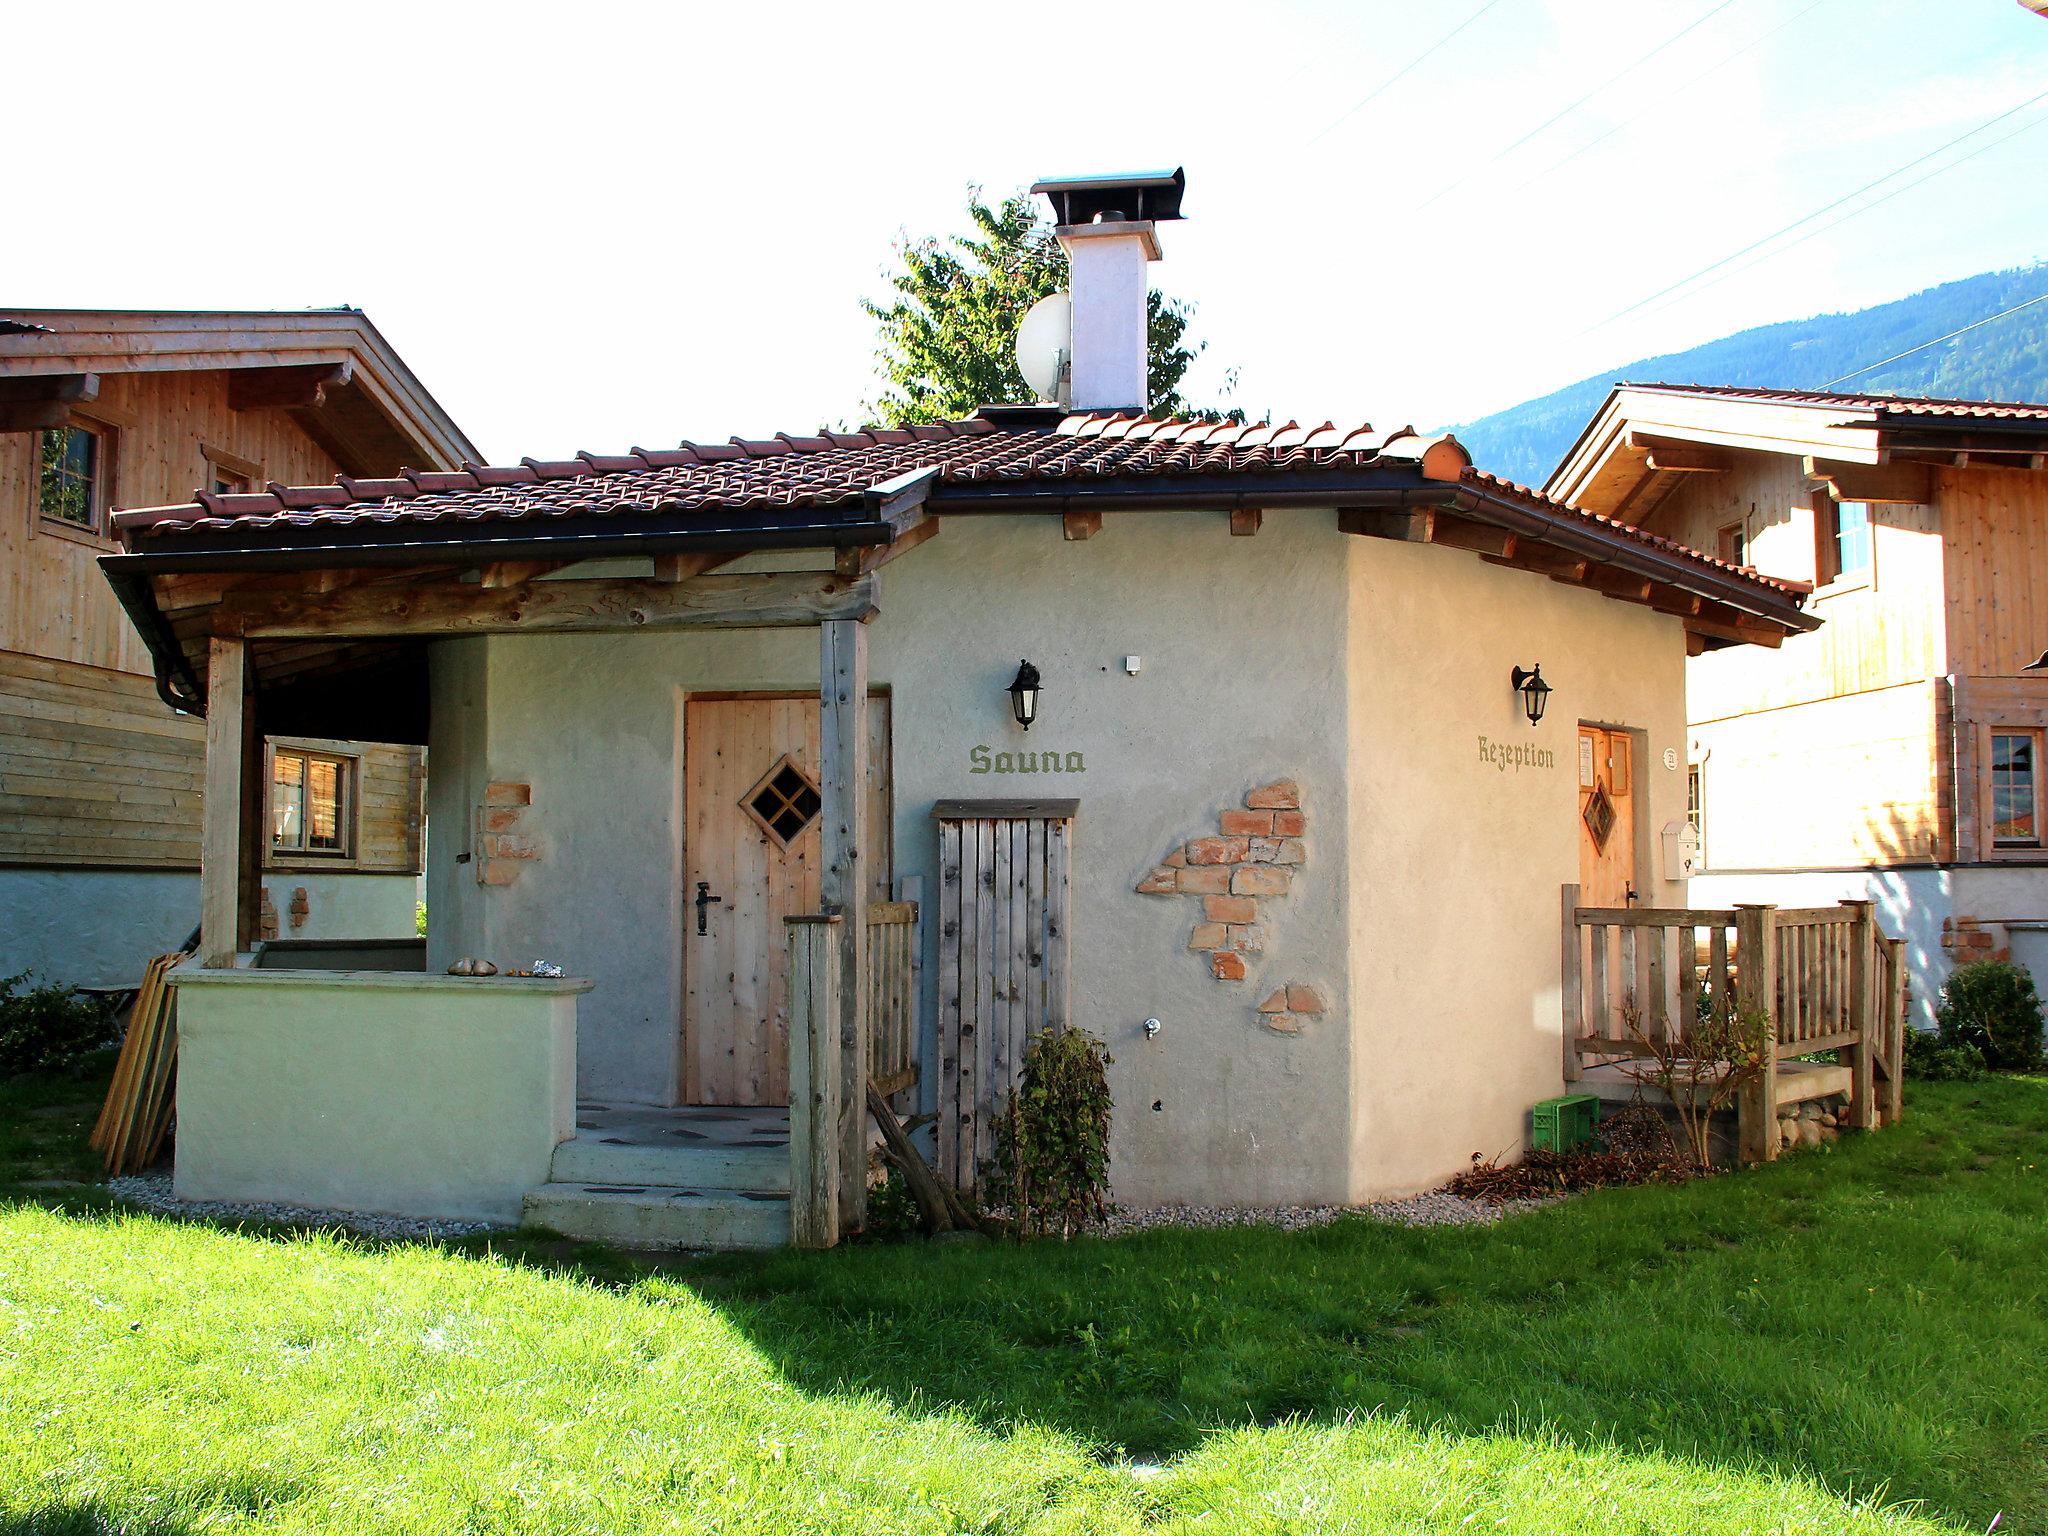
(750, 809)
(1607, 820)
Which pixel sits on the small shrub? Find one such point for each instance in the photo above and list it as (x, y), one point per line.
(49, 1028)
(1992, 1005)
(892, 1210)
(1051, 1167)
(419, 919)
(1929, 1060)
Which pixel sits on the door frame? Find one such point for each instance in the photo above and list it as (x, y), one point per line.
(884, 813)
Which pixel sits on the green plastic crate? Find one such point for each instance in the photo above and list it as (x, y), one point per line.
(1562, 1124)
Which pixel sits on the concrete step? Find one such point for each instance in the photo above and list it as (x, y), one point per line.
(658, 1216)
(590, 1158)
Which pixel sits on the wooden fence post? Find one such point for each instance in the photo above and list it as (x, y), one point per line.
(223, 824)
(814, 1080)
(1756, 990)
(1863, 1014)
(1574, 986)
(911, 888)
(1892, 1019)
(843, 882)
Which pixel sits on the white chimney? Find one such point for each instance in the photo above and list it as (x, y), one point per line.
(1107, 227)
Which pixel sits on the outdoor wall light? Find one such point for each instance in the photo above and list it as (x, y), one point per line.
(1024, 694)
(1534, 691)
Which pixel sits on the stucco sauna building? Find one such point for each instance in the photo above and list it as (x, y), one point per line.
(1279, 795)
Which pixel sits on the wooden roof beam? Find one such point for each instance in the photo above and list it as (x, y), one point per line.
(1543, 560)
(254, 389)
(1676, 456)
(1480, 538)
(1900, 483)
(37, 401)
(1380, 523)
(776, 599)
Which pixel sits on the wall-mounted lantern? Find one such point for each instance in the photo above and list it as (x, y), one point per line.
(1024, 694)
(1534, 691)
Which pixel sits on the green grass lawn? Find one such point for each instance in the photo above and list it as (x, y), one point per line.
(1852, 1340)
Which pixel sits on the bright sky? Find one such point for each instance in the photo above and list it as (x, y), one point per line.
(598, 225)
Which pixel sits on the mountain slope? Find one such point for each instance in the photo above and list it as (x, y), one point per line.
(2006, 360)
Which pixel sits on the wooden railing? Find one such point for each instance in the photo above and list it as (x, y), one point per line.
(892, 964)
(1828, 978)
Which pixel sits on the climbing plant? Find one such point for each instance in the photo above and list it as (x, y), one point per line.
(1051, 1165)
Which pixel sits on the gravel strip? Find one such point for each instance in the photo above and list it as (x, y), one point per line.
(152, 1191)
(1438, 1208)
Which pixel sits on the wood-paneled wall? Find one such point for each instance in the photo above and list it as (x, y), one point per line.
(95, 770)
(1997, 597)
(53, 600)
(1837, 783)
(1878, 635)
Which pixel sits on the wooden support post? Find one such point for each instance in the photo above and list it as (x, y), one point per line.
(1892, 1018)
(1863, 1016)
(254, 800)
(220, 837)
(910, 888)
(1756, 960)
(1573, 985)
(843, 883)
(814, 1080)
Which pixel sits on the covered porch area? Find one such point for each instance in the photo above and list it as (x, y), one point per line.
(292, 1069)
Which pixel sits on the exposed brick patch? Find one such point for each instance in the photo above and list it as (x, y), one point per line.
(1969, 938)
(504, 840)
(1287, 1010)
(1250, 858)
(1280, 795)
(266, 917)
(300, 907)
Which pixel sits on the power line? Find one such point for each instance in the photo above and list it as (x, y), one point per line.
(1565, 112)
(1951, 336)
(1377, 91)
(1808, 218)
(1854, 213)
(1711, 69)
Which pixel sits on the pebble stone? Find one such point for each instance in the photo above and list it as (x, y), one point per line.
(152, 1191)
(1437, 1208)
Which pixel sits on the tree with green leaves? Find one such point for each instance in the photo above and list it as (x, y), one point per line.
(947, 331)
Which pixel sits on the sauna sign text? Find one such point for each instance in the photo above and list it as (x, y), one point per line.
(1501, 756)
(982, 760)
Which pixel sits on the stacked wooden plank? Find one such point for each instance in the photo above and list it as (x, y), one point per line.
(142, 1098)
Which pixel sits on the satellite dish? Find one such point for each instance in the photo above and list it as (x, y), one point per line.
(1045, 346)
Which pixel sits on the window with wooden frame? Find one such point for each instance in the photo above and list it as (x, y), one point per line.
(1732, 543)
(312, 803)
(1696, 808)
(230, 475)
(2015, 784)
(74, 475)
(1843, 539)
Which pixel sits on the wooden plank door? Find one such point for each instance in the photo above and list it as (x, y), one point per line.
(750, 808)
(1607, 820)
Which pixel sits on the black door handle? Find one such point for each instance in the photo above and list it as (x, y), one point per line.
(705, 900)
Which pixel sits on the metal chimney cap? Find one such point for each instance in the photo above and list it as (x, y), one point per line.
(1132, 195)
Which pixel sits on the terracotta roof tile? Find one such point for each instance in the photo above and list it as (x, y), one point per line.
(832, 471)
(1882, 405)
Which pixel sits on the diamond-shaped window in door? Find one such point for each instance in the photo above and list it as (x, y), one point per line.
(1599, 817)
(784, 802)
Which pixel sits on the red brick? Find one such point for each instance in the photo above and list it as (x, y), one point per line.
(1289, 823)
(1277, 1003)
(1246, 823)
(1209, 936)
(508, 794)
(1216, 850)
(1260, 880)
(1304, 999)
(1248, 938)
(1227, 967)
(1230, 909)
(1214, 881)
(1176, 859)
(501, 818)
(1161, 882)
(510, 848)
(1280, 795)
(1281, 1023)
(500, 871)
